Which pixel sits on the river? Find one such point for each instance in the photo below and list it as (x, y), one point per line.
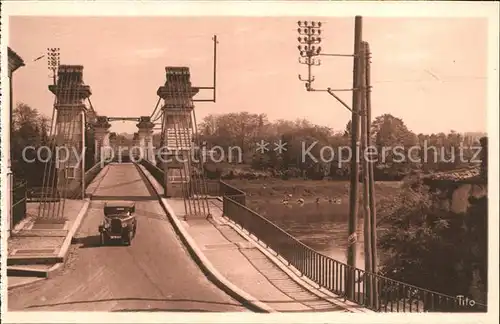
(323, 227)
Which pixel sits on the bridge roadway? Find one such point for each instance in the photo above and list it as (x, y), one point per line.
(154, 273)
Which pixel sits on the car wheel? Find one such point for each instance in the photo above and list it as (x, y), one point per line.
(126, 237)
(103, 239)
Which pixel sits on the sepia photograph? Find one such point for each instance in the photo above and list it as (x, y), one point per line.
(245, 164)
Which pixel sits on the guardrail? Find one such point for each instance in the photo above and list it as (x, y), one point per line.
(226, 190)
(19, 199)
(337, 277)
(35, 194)
(211, 188)
(91, 173)
(156, 172)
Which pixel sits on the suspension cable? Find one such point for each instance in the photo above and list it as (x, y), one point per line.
(48, 163)
(186, 120)
(204, 186)
(156, 107)
(174, 94)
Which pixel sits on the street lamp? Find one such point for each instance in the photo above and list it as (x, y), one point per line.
(309, 48)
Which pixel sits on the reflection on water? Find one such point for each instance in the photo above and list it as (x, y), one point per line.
(322, 227)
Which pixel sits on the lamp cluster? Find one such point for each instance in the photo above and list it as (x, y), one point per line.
(53, 57)
(309, 39)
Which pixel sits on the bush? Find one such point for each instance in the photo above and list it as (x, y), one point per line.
(427, 245)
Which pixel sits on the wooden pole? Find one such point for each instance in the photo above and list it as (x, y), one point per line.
(366, 193)
(373, 210)
(353, 194)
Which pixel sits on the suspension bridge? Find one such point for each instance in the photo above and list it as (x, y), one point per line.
(157, 273)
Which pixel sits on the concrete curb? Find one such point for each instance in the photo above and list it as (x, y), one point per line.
(23, 284)
(15, 271)
(307, 284)
(61, 255)
(35, 259)
(104, 170)
(69, 239)
(76, 225)
(202, 261)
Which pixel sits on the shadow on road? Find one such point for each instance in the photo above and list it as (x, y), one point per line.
(120, 184)
(88, 241)
(94, 241)
(194, 301)
(147, 214)
(127, 198)
(198, 310)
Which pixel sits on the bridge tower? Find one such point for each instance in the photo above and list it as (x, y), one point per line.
(145, 138)
(113, 145)
(182, 168)
(177, 129)
(70, 92)
(101, 134)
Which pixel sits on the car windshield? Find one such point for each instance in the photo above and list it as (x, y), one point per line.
(117, 211)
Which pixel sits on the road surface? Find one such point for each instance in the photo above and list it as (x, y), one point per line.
(155, 273)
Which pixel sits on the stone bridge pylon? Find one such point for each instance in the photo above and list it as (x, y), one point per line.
(180, 162)
(64, 178)
(101, 138)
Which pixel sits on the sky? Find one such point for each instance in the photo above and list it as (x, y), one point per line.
(431, 72)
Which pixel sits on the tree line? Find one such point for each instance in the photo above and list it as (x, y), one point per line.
(32, 128)
(245, 130)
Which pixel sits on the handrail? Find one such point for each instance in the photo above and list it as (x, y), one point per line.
(336, 276)
(227, 190)
(156, 172)
(18, 203)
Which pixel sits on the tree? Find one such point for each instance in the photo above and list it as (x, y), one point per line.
(234, 129)
(348, 129)
(427, 245)
(30, 128)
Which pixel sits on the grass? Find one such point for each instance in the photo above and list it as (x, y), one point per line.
(263, 191)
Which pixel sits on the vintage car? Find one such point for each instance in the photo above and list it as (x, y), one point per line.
(119, 222)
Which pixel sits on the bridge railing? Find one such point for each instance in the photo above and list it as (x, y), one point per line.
(76, 191)
(226, 190)
(211, 188)
(38, 193)
(91, 173)
(19, 200)
(393, 296)
(156, 172)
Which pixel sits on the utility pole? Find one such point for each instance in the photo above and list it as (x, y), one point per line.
(371, 189)
(353, 194)
(366, 178)
(308, 50)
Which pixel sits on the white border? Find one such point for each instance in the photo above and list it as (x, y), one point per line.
(271, 8)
